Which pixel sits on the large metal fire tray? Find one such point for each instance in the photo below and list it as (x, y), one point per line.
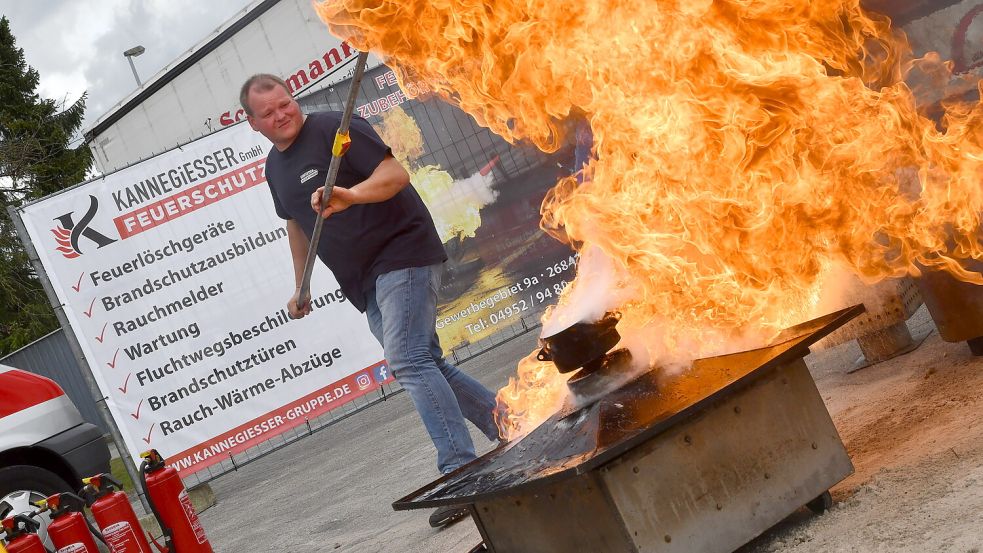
(571, 444)
(697, 460)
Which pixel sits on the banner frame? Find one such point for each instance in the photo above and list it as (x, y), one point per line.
(73, 343)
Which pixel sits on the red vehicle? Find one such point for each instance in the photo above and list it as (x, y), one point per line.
(45, 446)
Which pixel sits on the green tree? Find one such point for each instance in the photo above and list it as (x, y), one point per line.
(36, 159)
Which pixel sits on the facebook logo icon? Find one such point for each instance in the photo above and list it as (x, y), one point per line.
(381, 373)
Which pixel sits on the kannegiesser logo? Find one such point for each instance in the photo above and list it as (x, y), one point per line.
(69, 233)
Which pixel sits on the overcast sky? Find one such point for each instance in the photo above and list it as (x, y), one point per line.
(77, 45)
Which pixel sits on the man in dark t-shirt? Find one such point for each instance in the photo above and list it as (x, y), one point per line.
(380, 242)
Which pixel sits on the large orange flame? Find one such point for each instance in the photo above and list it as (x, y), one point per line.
(536, 392)
(741, 147)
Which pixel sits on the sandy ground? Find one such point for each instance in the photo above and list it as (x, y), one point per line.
(912, 426)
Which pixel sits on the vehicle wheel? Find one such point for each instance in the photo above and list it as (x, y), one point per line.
(22, 485)
(821, 504)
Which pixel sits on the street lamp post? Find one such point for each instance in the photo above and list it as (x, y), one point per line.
(129, 55)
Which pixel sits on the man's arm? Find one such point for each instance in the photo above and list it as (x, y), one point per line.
(386, 181)
(299, 244)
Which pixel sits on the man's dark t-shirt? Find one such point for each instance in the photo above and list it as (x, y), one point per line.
(365, 240)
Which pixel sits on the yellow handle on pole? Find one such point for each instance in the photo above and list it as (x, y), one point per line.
(342, 141)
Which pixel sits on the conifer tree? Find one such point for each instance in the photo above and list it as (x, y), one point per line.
(36, 159)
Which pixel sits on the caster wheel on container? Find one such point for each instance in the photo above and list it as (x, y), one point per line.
(821, 504)
(976, 346)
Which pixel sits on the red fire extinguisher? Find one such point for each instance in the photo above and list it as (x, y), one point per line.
(20, 531)
(69, 529)
(114, 516)
(183, 532)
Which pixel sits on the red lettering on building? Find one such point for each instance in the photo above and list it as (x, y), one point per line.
(314, 71)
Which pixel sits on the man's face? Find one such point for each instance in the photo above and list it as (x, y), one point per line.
(276, 115)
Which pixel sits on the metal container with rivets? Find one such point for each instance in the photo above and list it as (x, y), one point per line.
(698, 460)
(955, 306)
(881, 331)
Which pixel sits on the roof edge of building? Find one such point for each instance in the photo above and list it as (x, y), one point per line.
(151, 88)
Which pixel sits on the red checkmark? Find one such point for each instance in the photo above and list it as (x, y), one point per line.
(137, 414)
(147, 439)
(78, 285)
(112, 364)
(103, 333)
(89, 312)
(126, 383)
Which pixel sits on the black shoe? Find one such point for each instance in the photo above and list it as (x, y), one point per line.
(445, 516)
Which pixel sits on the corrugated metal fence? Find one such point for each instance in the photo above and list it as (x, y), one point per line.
(52, 357)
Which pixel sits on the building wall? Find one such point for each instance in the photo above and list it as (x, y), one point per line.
(289, 40)
(286, 39)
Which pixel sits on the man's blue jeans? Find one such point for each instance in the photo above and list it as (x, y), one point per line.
(402, 313)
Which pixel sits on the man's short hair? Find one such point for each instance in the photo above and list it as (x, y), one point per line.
(262, 82)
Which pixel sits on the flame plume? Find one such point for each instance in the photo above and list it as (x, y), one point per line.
(536, 392)
(741, 147)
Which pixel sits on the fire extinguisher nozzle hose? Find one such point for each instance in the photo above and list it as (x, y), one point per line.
(79, 504)
(148, 464)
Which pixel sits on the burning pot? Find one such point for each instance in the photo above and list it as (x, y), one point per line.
(587, 346)
(580, 344)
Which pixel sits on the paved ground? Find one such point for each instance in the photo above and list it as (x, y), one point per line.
(912, 425)
(333, 490)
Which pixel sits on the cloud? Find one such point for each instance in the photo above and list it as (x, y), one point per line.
(77, 46)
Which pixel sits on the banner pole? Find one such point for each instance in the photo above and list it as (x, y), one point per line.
(73, 343)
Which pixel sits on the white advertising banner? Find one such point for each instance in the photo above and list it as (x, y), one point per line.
(174, 274)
